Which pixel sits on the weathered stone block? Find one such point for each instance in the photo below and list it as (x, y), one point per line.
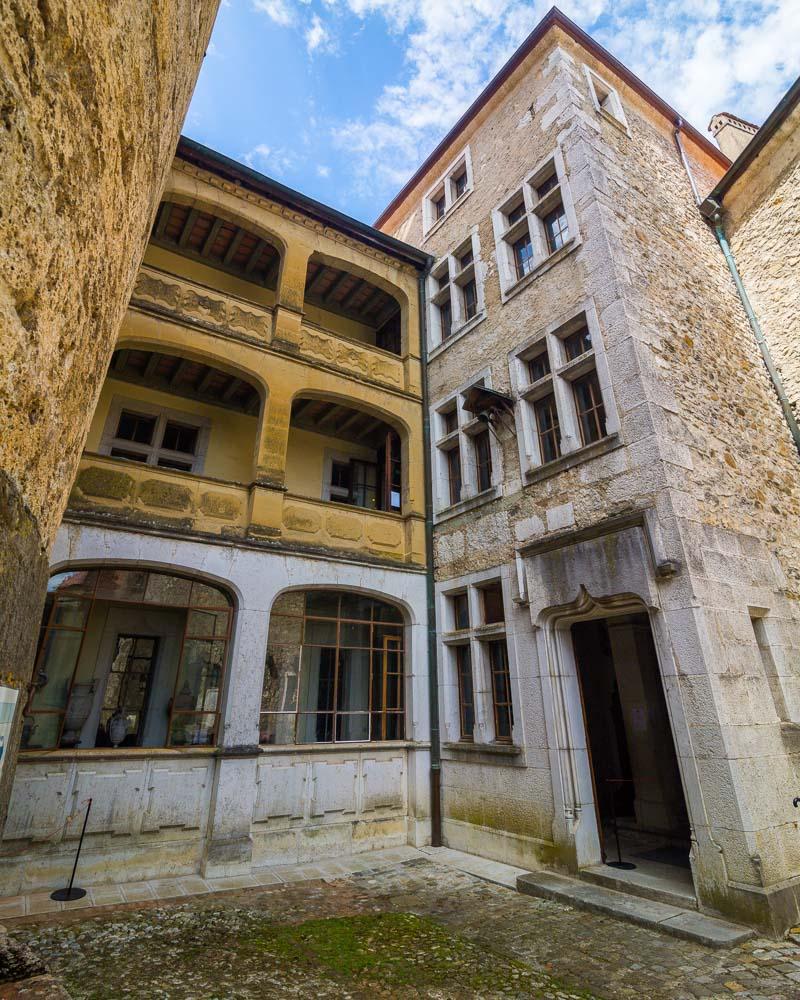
(298, 519)
(106, 483)
(343, 526)
(220, 505)
(169, 496)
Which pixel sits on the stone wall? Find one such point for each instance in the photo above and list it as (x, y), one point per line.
(699, 453)
(762, 222)
(91, 102)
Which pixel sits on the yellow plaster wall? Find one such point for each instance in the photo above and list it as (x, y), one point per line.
(232, 438)
(305, 458)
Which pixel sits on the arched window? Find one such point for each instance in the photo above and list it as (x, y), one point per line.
(334, 671)
(127, 658)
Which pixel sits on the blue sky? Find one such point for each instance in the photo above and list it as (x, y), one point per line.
(342, 99)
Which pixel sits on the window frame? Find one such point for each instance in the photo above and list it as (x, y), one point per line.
(152, 453)
(447, 286)
(446, 186)
(559, 383)
(609, 106)
(512, 228)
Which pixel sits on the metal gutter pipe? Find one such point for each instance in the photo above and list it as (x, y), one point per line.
(712, 212)
(433, 661)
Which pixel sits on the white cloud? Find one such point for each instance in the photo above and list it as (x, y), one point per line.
(700, 55)
(323, 170)
(274, 161)
(280, 11)
(317, 36)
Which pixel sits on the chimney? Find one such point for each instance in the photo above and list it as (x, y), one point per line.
(731, 133)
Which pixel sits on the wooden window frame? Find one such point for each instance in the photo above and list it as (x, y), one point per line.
(553, 432)
(596, 412)
(482, 444)
(501, 707)
(463, 662)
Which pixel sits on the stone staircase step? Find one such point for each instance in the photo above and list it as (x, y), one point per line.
(675, 920)
(640, 884)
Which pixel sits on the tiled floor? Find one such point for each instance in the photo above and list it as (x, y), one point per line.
(14, 907)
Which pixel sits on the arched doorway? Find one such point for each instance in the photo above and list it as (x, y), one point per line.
(128, 657)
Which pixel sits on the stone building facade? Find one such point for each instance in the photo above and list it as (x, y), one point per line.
(761, 219)
(616, 496)
(93, 101)
(233, 661)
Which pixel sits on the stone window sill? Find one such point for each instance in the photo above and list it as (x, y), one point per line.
(541, 268)
(490, 749)
(589, 451)
(371, 746)
(469, 504)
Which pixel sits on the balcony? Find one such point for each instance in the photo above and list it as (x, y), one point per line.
(123, 490)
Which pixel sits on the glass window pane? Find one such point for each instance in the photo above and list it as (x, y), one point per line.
(277, 729)
(71, 611)
(281, 677)
(321, 603)
(199, 675)
(285, 631)
(320, 633)
(121, 585)
(136, 427)
(354, 634)
(57, 667)
(353, 685)
(350, 728)
(357, 606)
(206, 596)
(387, 613)
(387, 637)
(180, 437)
(292, 603)
(40, 731)
(192, 729)
(315, 727)
(207, 623)
(164, 589)
(76, 581)
(317, 679)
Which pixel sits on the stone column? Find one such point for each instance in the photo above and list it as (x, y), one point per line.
(290, 296)
(87, 146)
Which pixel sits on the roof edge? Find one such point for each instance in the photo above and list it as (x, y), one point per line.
(217, 163)
(553, 18)
(776, 118)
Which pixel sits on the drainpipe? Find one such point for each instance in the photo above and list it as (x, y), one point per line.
(712, 212)
(433, 667)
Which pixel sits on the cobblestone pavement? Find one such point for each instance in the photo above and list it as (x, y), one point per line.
(456, 935)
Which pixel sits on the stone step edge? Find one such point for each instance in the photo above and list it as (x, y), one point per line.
(608, 880)
(676, 921)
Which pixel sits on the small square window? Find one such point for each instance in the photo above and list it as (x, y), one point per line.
(132, 456)
(174, 463)
(340, 475)
(179, 437)
(438, 206)
(577, 343)
(450, 421)
(516, 213)
(538, 366)
(443, 280)
(446, 319)
(135, 427)
(546, 186)
(460, 604)
(465, 260)
(493, 610)
(460, 183)
(556, 228)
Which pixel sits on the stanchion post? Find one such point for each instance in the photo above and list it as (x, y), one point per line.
(71, 893)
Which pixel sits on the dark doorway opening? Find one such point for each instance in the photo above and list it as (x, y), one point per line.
(641, 810)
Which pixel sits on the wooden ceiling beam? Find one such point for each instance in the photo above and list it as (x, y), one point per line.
(329, 417)
(386, 314)
(180, 371)
(231, 389)
(208, 242)
(348, 421)
(121, 360)
(164, 213)
(318, 275)
(152, 364)
(188, 226)
(252, 260)
(335, 286)
(233, 246)
(205, 382)
(372, 301)
(300, 407)
(272, 270)
(253, 404)
(348, 298)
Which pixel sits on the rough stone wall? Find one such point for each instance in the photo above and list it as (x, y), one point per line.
(703, 442)
(762, 222)
(92, 99)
